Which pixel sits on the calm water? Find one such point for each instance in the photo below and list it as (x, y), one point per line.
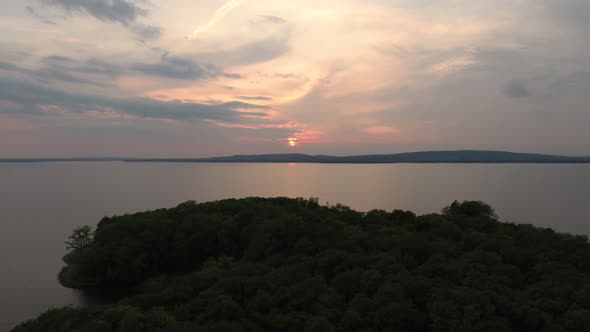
(41, 203)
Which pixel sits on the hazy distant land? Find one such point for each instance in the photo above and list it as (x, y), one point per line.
(57, 160)
(464, 156)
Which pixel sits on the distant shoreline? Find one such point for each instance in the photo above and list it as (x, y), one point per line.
(427, 157)
(301, 162)
(361, 163)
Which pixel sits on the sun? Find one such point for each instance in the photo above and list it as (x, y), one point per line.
(292, 141)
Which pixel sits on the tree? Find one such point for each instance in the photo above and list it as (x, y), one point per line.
(81, 237)
(284, 265)
(470, 209)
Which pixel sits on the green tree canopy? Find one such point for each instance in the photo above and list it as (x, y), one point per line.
(471, 209)
(80, 238)
(284, 264)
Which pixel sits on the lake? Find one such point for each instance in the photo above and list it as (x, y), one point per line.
(41, 203)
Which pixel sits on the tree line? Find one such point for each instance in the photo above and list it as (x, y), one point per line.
(283, 264)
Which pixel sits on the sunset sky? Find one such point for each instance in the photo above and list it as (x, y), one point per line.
(187, 78)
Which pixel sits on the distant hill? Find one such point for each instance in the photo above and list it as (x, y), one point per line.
(465, 156)
(57, 160)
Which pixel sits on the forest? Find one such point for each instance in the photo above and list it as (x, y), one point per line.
(281, 264)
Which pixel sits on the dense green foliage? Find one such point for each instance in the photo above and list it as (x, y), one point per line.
(292, 265)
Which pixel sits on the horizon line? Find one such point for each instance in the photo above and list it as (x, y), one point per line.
(225, 158)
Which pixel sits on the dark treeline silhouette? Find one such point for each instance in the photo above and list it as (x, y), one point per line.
(293, 265)
(462, 156)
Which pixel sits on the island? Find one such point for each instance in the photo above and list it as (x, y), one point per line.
(282, 264)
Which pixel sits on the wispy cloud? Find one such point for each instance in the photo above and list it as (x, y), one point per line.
(181, 68)
(274, 19)
(54, 70)
(124, 12)
(260, 98)
(37, 99)
(380, 130)
(218, 16)
(42, 18)
(145, 31)
(97, 72)
(256, 51)
(120, 11)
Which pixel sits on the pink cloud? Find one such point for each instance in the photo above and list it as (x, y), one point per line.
(380, 130)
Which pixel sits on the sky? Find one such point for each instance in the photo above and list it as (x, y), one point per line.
(187, 78)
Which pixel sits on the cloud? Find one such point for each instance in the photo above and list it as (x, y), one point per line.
(263, 50)
(94, 67)
(268, 41)
(119, 11)
(516, 90)
(218, 16)
(100, 73)
(571, 12)
(176, 67)
(55, 72)
(37, 99)
(257, 51)
(146, 32)
(288, 76)
(42, 18)
(261, 98)
(124, 12)
(274, 19)
(9, 66)
(98, 67)
(59, 58)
